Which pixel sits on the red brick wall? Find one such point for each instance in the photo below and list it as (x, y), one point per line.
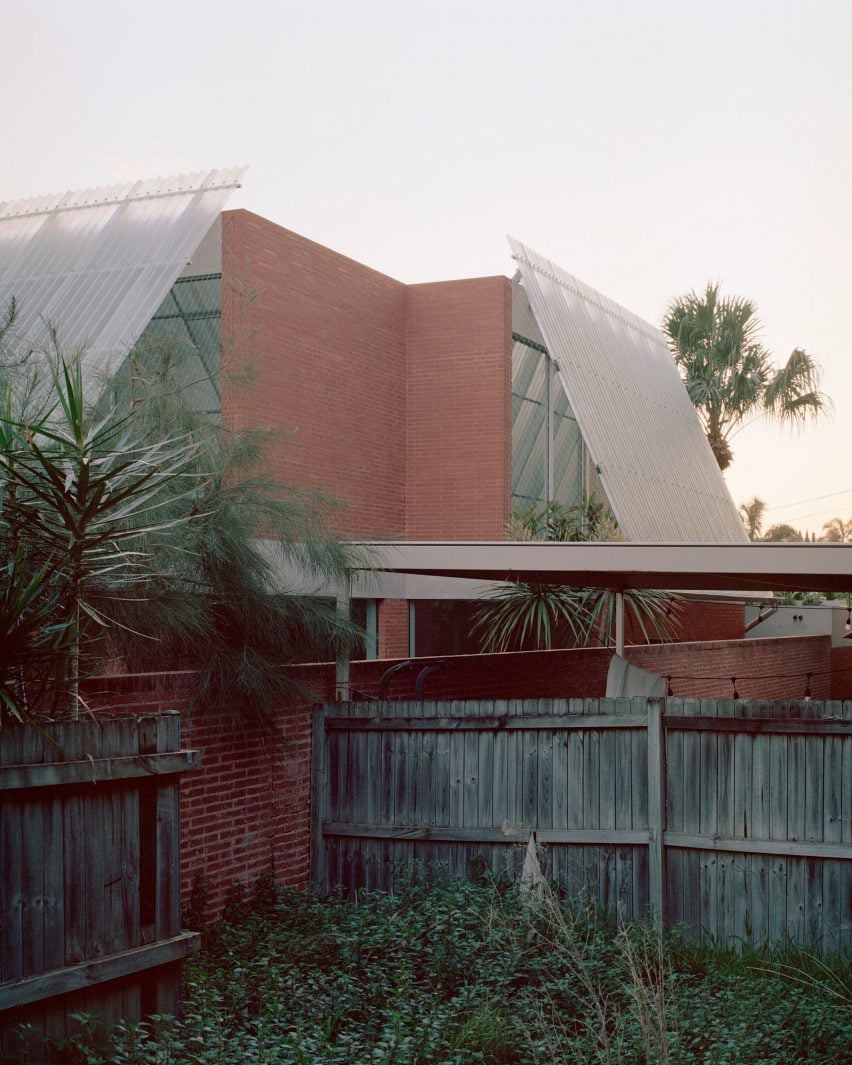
(765, 669)
(710, 621)
(325, 338)
(841, 675)
(248, 805)
(395, 399)
(393, 628)
(458, 433)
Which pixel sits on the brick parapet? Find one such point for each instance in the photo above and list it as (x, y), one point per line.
(458, 409)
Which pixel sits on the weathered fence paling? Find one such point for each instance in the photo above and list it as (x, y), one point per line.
(89, 873)
(730, 819)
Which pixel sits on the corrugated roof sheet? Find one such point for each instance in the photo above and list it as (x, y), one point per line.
(641, 429)
(98, 263)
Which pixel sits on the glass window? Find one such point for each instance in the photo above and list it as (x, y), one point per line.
(547, 447)
(184, 339)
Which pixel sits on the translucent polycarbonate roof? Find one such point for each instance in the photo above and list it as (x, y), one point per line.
(639, 425)
(97, 264)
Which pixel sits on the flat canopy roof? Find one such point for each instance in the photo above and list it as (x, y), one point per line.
(754, 567)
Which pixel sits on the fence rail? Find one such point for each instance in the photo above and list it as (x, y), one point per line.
(89, 874)
(731, 819)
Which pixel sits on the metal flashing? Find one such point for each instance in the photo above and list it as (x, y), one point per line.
(96, 264)
(642, 432)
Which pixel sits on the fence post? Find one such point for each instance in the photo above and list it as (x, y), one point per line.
(656, 815)
(319, 798)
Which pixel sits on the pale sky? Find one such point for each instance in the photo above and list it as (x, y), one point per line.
(646, 147)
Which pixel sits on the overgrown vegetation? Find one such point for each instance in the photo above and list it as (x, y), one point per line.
(248, 585)
(467, 973)
(589, 520)
(135, 528)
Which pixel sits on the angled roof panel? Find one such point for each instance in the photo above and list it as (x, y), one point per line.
(641, 429)
(98, 263)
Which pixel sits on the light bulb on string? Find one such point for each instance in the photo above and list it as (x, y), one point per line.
(734, 686)
(808, 688)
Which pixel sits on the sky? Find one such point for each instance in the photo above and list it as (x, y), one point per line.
(646, 147)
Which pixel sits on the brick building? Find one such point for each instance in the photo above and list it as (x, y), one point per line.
(429, 410)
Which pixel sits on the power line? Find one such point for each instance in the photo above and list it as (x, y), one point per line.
(812, 499)
(820, 513)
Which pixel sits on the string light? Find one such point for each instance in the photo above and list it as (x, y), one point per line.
(669, 686)
(848, 626)
(734, 686)
(808, 688)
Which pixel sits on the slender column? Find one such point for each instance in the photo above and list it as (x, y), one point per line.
(344, 597)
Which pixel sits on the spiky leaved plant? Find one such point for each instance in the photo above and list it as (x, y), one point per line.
(81, 493)
(541, 616)
(33, 649)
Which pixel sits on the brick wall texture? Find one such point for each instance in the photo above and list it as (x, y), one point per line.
(248, 806)
(394, 398)
(841, 673)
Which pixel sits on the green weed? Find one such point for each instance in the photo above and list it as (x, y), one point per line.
(464, 973)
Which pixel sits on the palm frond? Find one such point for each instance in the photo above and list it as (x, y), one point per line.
(528, 616)
(728, 373)
(792, 395)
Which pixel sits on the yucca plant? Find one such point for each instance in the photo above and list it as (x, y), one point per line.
(532, 616)
(539, 616)
(83, 489)
(32, 637)
(165, 538)
(526, 616)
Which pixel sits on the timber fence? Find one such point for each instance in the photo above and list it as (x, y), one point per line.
(730, 819)
(89, 874)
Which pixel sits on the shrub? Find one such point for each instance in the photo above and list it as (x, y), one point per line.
(465, 973)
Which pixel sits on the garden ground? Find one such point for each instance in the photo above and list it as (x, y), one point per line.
(479, 972)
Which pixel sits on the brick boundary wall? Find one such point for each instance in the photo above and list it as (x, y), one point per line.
(841, 673)
(765, 669)
(701, 620)
(248, 806)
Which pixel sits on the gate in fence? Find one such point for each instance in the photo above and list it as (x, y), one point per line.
(732, 819)
(89, 873)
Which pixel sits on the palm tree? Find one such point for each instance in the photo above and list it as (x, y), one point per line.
(838, 531)
(752, 515)
(729, 375)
